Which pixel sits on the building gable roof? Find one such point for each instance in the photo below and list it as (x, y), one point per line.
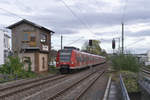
(31, 23)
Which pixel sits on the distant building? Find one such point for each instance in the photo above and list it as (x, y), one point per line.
(147, 62)
(142, 58)
(33, 42)
(4, 45)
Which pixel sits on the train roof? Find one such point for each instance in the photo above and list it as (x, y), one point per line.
(90, 54)
(77, 50)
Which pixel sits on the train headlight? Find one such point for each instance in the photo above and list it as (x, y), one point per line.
(72, 63)
(57, 63)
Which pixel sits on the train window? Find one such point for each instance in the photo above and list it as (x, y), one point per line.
(87, 58)
(84, 59)
(65, 55)
(77, 58)
(80, 58)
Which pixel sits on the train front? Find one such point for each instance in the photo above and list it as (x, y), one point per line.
(63, 60)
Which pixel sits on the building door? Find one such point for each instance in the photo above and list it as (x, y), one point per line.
(43, 62)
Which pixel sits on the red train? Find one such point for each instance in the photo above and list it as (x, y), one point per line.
(71, 58)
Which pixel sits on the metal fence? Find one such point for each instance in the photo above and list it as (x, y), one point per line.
(5, 78)
(144, 79)
(124, 92)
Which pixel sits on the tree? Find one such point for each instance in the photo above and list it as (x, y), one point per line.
(12, 66)
(53, 55)
(94, 49)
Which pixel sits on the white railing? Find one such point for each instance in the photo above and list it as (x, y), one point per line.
(124, 92)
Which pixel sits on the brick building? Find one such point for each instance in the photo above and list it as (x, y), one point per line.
(33, 42)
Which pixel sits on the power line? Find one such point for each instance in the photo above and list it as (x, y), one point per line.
(74, 14)
(86, 21)
(11, 13)
(133, 43)
(75, 41)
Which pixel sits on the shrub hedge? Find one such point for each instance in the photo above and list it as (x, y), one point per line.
(125, 62)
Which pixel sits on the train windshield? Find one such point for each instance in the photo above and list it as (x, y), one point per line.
(65, 55)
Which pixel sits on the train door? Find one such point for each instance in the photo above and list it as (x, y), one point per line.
(77, 59)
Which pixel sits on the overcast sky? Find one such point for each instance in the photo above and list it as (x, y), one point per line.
(90, 19)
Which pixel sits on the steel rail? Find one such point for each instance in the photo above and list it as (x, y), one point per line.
(25, 82)
(67, 88)
(90, 85)
(40, 82)
(145, 71)
(107, 90)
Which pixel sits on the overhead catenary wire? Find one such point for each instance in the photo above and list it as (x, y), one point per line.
(74, 14)
(85, 20)
(83, 23)
(133, 43)
(11, 13)
(76, 41)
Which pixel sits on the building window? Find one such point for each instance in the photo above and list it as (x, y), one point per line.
(4, 42)
(26, 37)
(5, 55)
(43, 59)
(32, 37)
(43, 38)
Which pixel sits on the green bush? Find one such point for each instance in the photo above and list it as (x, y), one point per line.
(13, 68)
(125, 62)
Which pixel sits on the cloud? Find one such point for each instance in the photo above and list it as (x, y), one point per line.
(102, 17)
(142, 33)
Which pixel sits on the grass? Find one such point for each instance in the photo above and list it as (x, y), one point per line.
(53, 70)
(131, 81)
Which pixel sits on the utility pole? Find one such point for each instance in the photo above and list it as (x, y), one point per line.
(122, 37)
(119, 44)
(61, 41)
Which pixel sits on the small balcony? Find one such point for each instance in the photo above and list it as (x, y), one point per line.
(29, 45)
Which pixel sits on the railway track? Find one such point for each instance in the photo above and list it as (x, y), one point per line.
(17, 88)
(77, 89)
(59, 90)
(145, 71)
(79, 82)
(51, 87)
(88, 86)
(9, 86)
